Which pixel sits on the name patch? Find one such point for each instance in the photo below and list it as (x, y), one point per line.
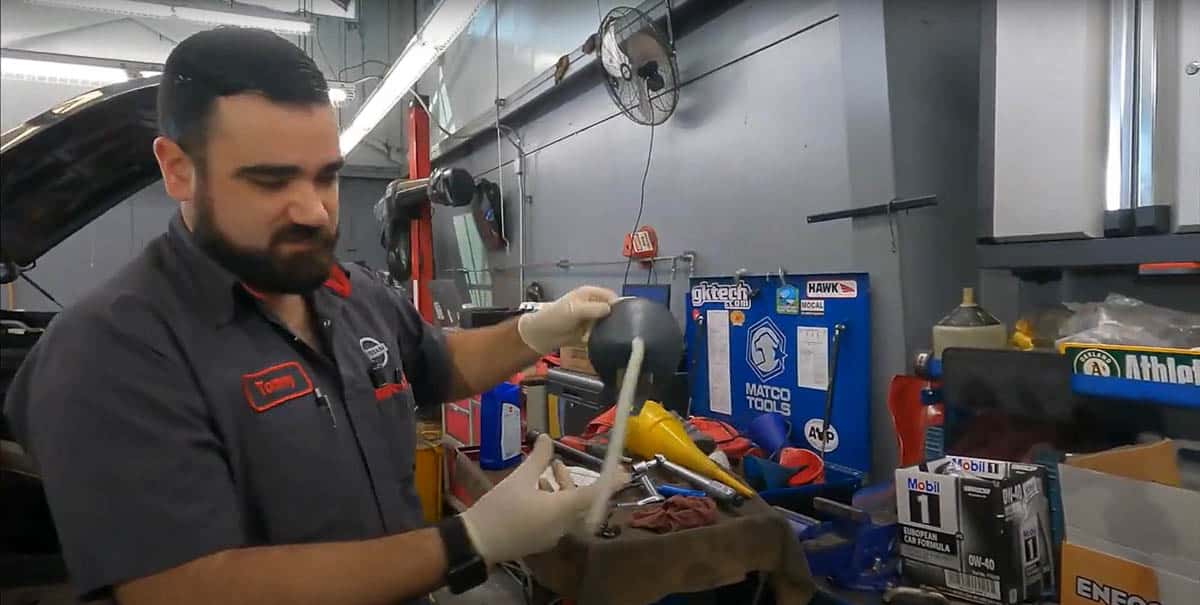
(277, 384)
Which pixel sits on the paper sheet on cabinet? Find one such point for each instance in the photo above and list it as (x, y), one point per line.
(719, 398)
(812, 358)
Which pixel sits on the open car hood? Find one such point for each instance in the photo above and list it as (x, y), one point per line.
(64, 168)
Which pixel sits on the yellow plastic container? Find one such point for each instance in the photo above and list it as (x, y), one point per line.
(654, 430)
(427, 477)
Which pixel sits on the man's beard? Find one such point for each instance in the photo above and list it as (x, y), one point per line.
(265, 270)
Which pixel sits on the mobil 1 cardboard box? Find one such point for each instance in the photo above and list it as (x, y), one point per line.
(976, 529)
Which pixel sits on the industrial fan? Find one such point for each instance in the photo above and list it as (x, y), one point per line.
(639, 66)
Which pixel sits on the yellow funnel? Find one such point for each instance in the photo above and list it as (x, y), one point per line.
(656, 431)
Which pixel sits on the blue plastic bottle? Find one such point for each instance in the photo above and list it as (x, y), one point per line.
(500, 427)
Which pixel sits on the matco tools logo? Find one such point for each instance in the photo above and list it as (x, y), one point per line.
(733, 296)
(1097, 362)
(831, 288)
(766, 349)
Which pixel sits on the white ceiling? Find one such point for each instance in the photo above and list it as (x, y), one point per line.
(377, 29)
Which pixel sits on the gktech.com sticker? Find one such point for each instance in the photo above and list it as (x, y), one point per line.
(732, 296)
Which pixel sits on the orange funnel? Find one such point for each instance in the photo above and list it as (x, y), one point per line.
(656, 431)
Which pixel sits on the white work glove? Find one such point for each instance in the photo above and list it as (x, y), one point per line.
(567, 320)
(516, 518)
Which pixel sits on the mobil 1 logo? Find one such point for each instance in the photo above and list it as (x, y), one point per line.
(925, 501)
(928, 514)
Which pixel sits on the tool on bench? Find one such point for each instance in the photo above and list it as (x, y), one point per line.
(567, 451)
(652, 495)
(718, 491)
(667, 490)
(852, 547)
(657, 432)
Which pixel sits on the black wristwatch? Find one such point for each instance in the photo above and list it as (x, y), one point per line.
(465, 569)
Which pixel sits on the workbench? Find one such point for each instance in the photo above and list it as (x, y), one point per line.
(639, 566)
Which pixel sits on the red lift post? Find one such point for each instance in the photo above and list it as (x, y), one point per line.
(420, 228)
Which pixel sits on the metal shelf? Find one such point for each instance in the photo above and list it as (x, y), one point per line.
(1098, 252)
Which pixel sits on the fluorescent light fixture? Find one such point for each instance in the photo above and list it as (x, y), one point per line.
(149, 74)
(119, 7)
(448, 19)
(211, 16)
(215, 17)
(66, 73)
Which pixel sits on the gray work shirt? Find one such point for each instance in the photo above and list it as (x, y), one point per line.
(172, 417)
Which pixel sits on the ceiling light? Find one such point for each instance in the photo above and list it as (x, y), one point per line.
(119, 7)
(188, 13)
(337, 96)
(66, 73)
(215, 17)
(444, 24)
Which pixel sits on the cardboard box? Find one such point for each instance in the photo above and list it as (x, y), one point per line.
(977, 530)
(1132, 538)
(576, 360)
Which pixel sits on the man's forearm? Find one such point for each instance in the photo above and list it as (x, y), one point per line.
(383, 570)
(482, 358)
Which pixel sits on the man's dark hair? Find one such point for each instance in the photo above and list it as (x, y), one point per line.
(228, 61)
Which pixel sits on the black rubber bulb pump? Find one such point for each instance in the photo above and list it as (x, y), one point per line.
(612, 337)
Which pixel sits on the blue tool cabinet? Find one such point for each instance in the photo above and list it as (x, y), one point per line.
(761, 345)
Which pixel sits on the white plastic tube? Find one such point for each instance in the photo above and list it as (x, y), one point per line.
(616, 441)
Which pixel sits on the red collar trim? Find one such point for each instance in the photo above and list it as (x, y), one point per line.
(338, 283)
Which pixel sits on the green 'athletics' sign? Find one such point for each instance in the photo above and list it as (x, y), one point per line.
(1172, 366)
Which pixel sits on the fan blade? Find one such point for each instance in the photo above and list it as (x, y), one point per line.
(610, 54)
(644, 105)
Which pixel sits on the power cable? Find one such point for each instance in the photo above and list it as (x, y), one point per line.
(641, 201)
(681, 85)
(362, 64)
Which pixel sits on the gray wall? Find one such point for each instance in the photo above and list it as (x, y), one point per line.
(733, 172)
(871, 105)
(933, 86)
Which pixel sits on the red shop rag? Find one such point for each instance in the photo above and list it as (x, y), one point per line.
(677, 512)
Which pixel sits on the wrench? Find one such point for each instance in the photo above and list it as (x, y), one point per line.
(652, 495)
